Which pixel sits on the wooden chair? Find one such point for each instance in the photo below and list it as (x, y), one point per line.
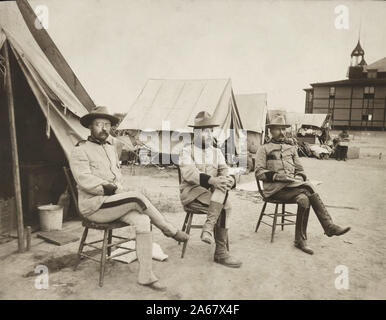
(192, 210)
(284, 215)
(108, 236)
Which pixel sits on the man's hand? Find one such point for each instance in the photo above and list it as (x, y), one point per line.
(230, 182)
(109, 189)
(281, 177)
(220, 183)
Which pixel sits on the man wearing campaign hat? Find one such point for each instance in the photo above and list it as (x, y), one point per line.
(102, 198)
(280, 169)
(205, 183)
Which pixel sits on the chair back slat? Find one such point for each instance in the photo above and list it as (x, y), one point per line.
(258, 181)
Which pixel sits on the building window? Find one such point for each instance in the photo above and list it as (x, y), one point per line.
(310, 97)
(368, 92)
(372, 74)
(332, 92)
(367, 117)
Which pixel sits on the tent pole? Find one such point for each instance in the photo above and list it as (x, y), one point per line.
(15, 156)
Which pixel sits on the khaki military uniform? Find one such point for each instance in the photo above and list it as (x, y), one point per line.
(94, 164)
(197, 166)
(275, 157)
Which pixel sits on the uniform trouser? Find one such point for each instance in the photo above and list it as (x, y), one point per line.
(132, 214)
(305, 196)
(299, 195)
(117, 212)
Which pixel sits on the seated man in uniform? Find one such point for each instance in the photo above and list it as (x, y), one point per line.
(205, 183)
(95, 166)
(279, 167)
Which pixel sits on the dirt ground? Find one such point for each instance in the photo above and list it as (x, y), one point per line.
(354, 191)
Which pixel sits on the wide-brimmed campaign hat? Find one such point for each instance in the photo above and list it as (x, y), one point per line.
(204, 119)
(98, 112)
(278, 121)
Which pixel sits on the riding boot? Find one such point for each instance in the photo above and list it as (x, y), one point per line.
(330, 229)
(214, 212)
(221, 254)
(300, 230)
(305, 223)
(144, 247)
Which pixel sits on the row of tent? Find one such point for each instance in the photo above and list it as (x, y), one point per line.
(48, 101)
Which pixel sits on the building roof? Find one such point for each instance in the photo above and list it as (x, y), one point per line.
(253, 110)
(349, 82)
(358, 51)
(380, 65)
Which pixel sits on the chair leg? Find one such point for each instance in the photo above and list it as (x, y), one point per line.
(261, 216)
(188, 225)
(109, 242)
(282, 217)
(184, 224)
(81, 245)
(274, 221)
(103, 258)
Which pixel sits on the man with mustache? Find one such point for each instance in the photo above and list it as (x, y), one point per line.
(102, 198)
(205, 183)
(280, 169)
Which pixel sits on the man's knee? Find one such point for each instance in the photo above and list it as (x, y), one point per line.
(303, 201)
(140, 221)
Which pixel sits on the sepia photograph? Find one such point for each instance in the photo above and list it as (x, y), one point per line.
(192, 150)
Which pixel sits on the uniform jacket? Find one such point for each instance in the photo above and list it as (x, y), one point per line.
(94, 164)
(275, 157)
(197, 166)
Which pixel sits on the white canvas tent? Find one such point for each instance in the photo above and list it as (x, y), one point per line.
(176, 102)
(58, 103)
(309, 119)
(39, 116)
(253, 113)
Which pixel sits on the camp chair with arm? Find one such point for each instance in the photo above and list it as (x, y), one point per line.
(107, 228)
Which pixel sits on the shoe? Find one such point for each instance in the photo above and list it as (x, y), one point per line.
(181, 236)
(228, 262)
(335, 230)
(207, 237)
(157, 286)
(302, 245)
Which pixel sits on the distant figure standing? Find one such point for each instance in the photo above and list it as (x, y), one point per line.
(342, 147)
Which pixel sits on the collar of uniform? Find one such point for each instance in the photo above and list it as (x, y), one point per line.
(92, 139)
(283, 141)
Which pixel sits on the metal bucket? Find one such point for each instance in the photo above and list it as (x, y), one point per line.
(51, 217)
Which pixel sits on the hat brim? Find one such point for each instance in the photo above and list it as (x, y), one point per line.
(204, 126)
(86, 120)
(278, 125)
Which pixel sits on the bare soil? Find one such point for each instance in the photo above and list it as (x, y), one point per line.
(354, 191)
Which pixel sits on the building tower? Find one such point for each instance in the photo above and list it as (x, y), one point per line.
(357, 62)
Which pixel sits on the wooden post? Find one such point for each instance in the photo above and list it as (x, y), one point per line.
(15, 156)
